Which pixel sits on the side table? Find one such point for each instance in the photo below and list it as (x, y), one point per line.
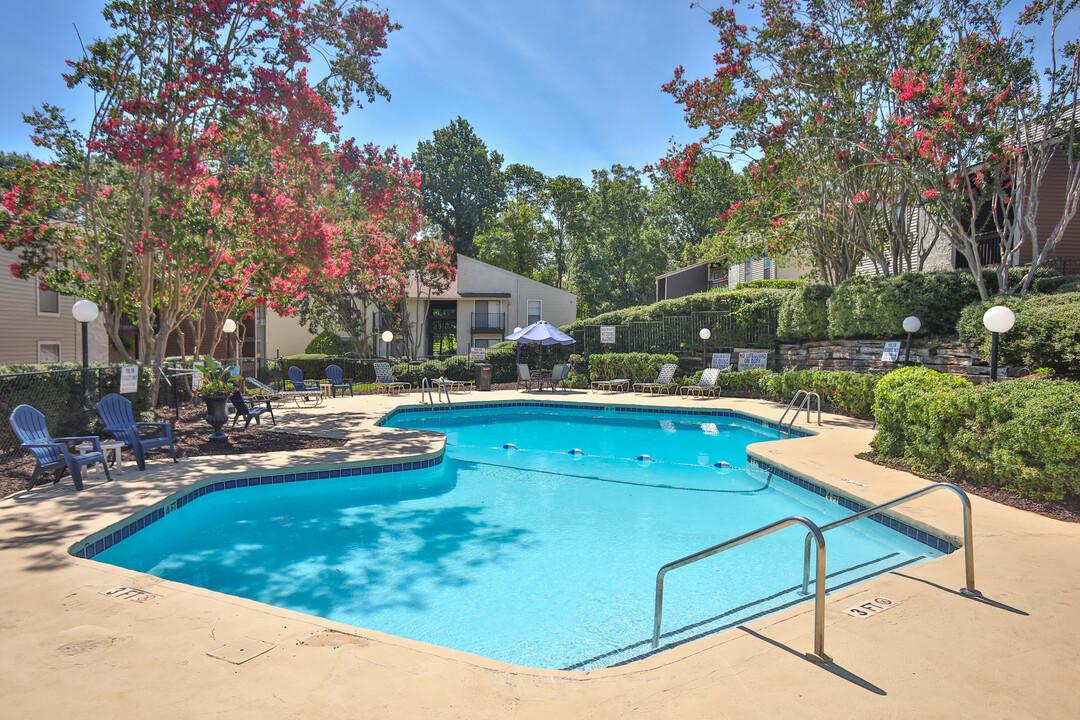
(84, 448)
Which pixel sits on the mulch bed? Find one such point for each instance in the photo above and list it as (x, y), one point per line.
(190, 435)
(1067, 510)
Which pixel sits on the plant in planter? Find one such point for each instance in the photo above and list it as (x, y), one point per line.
(215, 389)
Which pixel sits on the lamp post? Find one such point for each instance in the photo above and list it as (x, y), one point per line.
(387, 337)
(228, 327)
(997, 320)
(911, 326)
(704, 334)
(85, 311)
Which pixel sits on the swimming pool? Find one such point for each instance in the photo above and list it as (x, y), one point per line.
(484, 553)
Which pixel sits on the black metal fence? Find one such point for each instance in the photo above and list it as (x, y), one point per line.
(679, 334)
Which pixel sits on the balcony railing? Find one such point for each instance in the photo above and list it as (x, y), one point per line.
(489, 322)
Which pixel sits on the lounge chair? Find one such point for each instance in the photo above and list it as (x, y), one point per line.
(52, 454)
(248, 409)
(706, 385)
(525, 377)
(337, 382)
(310, 399)
(665, 381)
(115, 411)
(559, 373)
(384, 379)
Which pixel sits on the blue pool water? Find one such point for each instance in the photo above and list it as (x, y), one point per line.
(551, 568)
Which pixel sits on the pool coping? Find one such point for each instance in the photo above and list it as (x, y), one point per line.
(937, 654)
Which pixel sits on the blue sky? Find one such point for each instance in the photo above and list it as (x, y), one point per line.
(566, 86)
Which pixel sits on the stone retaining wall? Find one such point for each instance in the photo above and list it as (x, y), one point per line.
(864, 356)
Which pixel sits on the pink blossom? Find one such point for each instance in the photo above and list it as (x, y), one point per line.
(930, 194)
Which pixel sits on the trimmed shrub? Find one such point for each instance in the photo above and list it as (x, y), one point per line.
(804, 314)
(1046, 334)
(326, 343)
(741, 383)
(850, 393)
(639, 367)
(778, 284)
(918, 415)
(1023, 435)
(735, 301)
(875, 307)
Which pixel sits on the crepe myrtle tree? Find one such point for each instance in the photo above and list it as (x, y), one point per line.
(200, 173)
(378, 247)
(857, 115)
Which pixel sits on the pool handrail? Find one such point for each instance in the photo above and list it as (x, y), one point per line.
(818, 655)
(969, 550)
(805, 395)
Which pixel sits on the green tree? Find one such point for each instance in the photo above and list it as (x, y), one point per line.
(462, 183)
(618, 257)
(567, 197)
(517, 240)
(686, 211)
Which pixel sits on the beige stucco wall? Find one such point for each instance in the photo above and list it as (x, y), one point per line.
(558, 307)
(22, 327)
(285, 335)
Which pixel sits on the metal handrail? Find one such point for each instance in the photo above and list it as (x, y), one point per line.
(969, 550)
(806, 395)
(426, 384)
(819, 600)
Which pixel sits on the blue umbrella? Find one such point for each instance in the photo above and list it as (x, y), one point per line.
(542, 333)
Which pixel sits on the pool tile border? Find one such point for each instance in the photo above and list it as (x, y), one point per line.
(928, 539)
(105, 539)
(635, 409)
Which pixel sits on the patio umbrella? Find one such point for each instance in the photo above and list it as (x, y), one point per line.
(541, 333)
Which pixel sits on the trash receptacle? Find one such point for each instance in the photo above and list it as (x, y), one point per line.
(482, 376)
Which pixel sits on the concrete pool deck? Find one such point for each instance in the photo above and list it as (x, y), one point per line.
(71, 651)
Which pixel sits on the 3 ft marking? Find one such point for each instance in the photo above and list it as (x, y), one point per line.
(132, 594)
(871, 607)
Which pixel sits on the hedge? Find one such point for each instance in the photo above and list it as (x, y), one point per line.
(1022, 435)
(778, 284)
(875, 307)
(804, 314)
(735, 302)
(1046, 334)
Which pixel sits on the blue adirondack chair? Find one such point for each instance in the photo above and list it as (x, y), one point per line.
(52, 454)
(337, 382)
(115, 411)
(296, 377)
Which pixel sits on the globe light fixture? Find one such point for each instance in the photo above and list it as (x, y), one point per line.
(911, 326)
(704, 334)
(997, 320)
(228, 327)
(85, 311)
(387, 337)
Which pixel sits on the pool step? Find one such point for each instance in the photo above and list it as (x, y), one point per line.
(748, 612)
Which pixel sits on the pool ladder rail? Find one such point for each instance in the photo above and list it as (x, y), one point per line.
(817, 534)
(426, 384)
(805, 395)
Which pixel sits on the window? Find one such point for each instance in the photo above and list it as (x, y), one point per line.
(48, 302)
(768, 269)
(48, 353)
(746, 273)
(534, 307)
(485, 342)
